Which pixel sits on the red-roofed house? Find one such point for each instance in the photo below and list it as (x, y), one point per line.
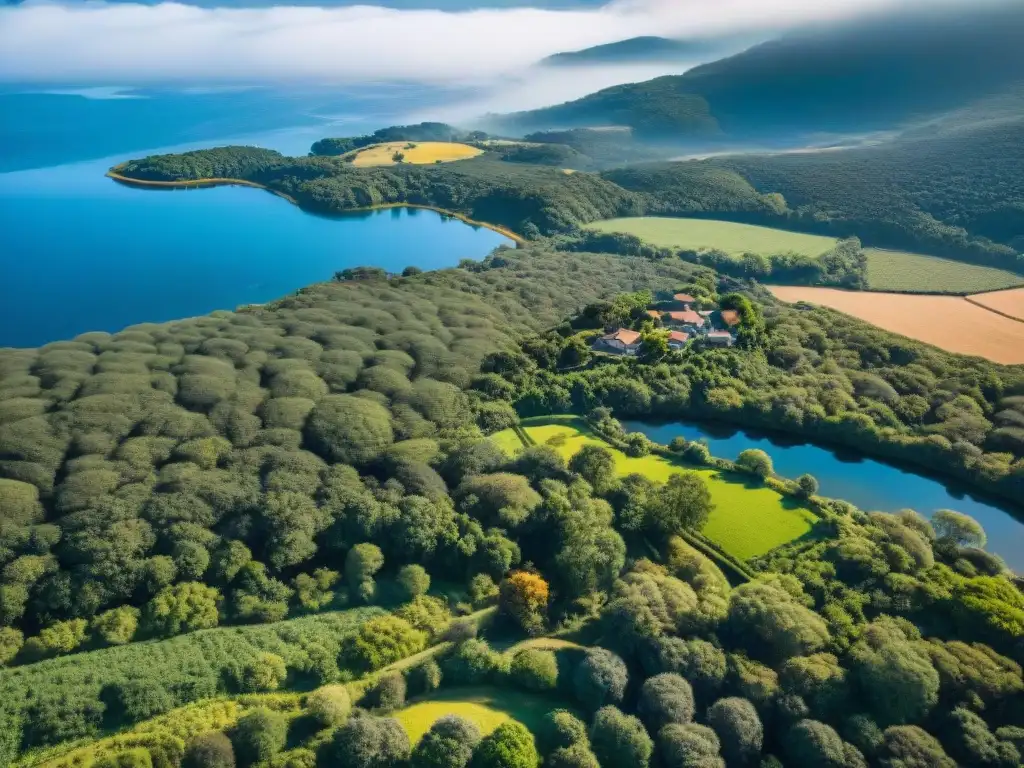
(677, 339)
(620, 342)
(684, 318)
(685, 299)
(654, 314)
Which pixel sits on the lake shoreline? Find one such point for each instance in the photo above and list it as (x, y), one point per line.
(228, 182)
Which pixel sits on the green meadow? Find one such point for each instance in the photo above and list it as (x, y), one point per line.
(734, 239)
(916, 273)
(486, 706)
(748, 520)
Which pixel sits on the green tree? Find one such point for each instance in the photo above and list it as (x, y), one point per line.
(366, 741)
(561, 729)
(315, 591)
(509, 746)
(908, 745)
(388, 693)
(329, 705)
(259, 735)
(958, 528)
(682, 502)
(689, 746)
(183, 607)
(756, 462)
(600, 678)
(739, 729)
(381, 641)
(11, 641)
(448, 744)
(414, 580)
(596, 465)
(807, 485)
(264, 672)
(349, 429)
(620, 739)
(63, 636)
(816, 745)
(535, 669)
(894, 673)
(116, 626)
(361, 565)
(209, 750)
(665, 698)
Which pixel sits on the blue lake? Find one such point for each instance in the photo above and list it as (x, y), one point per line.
(868, 484)
(80, 252)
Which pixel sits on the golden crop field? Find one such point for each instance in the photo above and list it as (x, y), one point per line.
(948, 322)
(1007, 302)
(416, 152)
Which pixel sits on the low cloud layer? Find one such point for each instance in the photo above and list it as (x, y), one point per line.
(128, 44)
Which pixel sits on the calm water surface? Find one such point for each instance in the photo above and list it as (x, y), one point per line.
(870, 485)
(80, 252)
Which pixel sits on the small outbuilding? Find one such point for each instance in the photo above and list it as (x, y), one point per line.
(720, 339)
(620, 342)
(678, 339)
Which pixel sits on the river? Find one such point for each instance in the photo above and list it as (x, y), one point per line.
(870, 485)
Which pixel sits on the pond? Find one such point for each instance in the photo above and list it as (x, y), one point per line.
(868, 484)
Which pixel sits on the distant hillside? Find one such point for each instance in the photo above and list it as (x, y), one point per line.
(638, 50)
(866, 76)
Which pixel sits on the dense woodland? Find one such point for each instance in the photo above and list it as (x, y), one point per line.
(326, 451)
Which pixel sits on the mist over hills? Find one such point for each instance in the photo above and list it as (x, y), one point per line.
(870, 75)
(637, 50)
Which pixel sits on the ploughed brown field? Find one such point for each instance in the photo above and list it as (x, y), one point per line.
(948, 322)
(1008, 302)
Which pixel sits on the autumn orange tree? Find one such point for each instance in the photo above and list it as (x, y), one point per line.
(524, 597)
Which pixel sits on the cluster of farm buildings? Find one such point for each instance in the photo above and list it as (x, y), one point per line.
(685, 324)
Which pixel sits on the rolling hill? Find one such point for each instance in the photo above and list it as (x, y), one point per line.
(866, 76)
(642, 50)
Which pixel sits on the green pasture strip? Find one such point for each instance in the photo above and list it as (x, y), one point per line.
(916, 273)
(734, 239)
(748, 520)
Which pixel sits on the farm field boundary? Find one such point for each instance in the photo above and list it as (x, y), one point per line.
(951, 323)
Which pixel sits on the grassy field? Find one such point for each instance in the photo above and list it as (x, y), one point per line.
(734, 239)
(486, 706)
(748, 519)
(916, 273)
(948, 322)
(423, 153)
(508, 441)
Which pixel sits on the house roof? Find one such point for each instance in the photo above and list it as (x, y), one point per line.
(730, 317)
(684, 298)
(678, 336)
(624, 335)
(654, 313)
(689, 316)
(719, 335)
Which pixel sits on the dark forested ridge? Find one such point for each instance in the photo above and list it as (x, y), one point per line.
(870, 75)
(173, 477)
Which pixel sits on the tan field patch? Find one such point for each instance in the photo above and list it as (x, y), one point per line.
(415, 152)
(1007, 302)
(948, 322)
